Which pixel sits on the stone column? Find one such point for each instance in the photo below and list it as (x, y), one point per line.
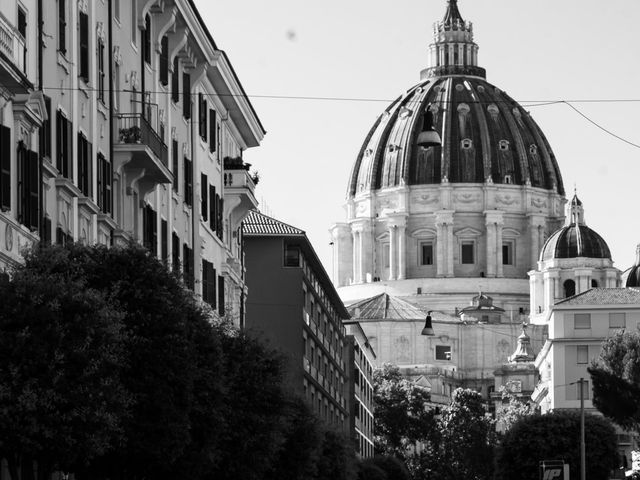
(444, 243)
(393, 251)
(494, 219)
(355, 263)
(402, 254)
(440, 250)
(551, 279)
(536, 236)
(583, 279)
(499, 269)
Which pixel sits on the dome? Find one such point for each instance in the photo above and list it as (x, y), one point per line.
(575, 240)
(487, 137)
(632, 276)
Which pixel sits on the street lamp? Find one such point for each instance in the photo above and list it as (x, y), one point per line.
(428, 328)
(428, 137)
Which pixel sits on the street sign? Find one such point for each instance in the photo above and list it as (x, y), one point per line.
(554, 470)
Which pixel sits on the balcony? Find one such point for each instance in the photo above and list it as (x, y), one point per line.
(140, 152)
(239, 188)
(13, 59)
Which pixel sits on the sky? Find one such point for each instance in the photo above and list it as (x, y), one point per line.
(365, 53)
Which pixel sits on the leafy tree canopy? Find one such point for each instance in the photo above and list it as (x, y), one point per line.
(556, 436)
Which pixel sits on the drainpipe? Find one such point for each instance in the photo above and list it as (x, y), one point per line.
(110, 55)
(40, 164)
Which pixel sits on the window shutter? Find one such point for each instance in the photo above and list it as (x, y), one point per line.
(175, 80)
(175, 251)
(221, 218)
(212, 130)
(164, 60)
(62, 27)
(221, 295)
(204, 190)
(188, 182)
(186, 96)
(212, 208)
(176, 167)
(84, 46)
(5, 168)
(165, 240)
(33, 181)
(100, 182)
(45, 130)
(59, 140)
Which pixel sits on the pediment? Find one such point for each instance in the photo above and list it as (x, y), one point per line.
(467, 232)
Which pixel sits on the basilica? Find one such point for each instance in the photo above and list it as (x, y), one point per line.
(475, 228)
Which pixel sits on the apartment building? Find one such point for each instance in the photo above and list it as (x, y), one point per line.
(294, 307)
(127, 123)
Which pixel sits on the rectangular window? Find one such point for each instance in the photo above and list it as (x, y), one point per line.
(146, 40)
(175, 165)
(186, 96)
(150, 229)
(5, 168)
(105, 181)
(187, 265)
(582, 321)
(28, 167)
(204, 201)
(116, 9)
(134, 21)
(202, 116)
(443, 352)
(213, 208)
(175, 81)
(209, 283)
(426, 254)
(22, 22)
(212, 130)
(467, 251)
(220, 223)
(617, 320)
(164, 247)
(221, 295)
(63, 141)
(175, 251)
(45, 131)
(83, 20)
(116, 87)
(583, 354)
(291, 256)
(84, 165)
(101, 73)
(385, 255)
(507, 253)
(188, 182)
(62, 27)
(164, 61)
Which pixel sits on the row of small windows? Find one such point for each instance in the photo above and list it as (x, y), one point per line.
(503, 145)
(582, 321)
(467, 253)
(322, 406)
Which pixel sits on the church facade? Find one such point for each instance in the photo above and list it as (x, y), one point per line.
(428, 228)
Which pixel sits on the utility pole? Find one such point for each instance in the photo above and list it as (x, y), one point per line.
(583, 469)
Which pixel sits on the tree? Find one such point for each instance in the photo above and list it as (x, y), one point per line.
(616, 379)
(402, 415)
(62, 402)
(337, 460)
(383, 467)
(513, 408)
(467, 437)
(556, 436)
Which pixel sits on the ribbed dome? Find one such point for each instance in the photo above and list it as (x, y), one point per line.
(575, 240)
(486, 135)
(632, 276)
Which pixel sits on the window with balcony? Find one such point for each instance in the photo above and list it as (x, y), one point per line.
(204, 196)
(105, 181)
(62, 27)
(63, 143)
(5, 168)
(209, 283)
(83, 68)
(84, 165)
(188, 181)
(28, 167)
(164, 61)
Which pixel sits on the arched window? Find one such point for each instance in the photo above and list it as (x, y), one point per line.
(594, 284)
(569, 288)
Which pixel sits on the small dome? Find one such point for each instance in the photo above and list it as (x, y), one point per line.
(633, 274)
(575, 240)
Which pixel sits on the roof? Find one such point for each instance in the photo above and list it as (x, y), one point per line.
(575, 240)
(385, 307)
(259, 224)
(604, 296)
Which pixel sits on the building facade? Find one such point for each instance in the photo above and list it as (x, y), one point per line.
(294, 307)
(137, 127)
(360, 365)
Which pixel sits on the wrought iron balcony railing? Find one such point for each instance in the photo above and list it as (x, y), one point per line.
(134, 128)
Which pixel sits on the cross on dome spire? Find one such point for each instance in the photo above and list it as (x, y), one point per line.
(453, 51)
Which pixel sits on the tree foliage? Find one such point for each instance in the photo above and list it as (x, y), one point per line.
(615, 376)
(513, 408)
(556, 436)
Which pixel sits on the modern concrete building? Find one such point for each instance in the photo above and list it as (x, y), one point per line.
(294, 307)
(360, 365)
(124, 121)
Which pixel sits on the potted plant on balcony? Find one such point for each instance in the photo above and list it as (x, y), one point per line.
(131, 134)
(255, 177)
(235, 163)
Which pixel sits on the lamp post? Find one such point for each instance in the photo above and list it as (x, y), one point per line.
(428, 327)
(583, 469)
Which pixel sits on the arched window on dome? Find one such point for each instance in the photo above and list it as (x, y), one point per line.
(569, 288)
(466, 144)
(594, 284)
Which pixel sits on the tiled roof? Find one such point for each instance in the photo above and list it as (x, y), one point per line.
(604, 296)
(259, 224)
(385, 307)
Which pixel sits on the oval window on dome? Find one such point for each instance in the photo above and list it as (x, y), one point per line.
(503, 145)
(533, 149)
(466, 143)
